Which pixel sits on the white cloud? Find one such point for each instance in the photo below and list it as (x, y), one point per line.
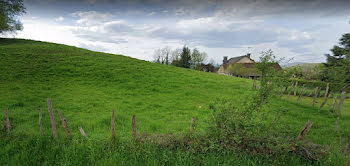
(91, 17)
(59, 19)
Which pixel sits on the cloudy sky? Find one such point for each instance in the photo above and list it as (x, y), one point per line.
(295, 29)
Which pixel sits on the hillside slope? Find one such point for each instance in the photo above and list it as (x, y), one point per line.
(87, 85)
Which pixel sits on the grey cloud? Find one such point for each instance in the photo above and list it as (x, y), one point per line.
(118, 27)
(220, 39)
(199, 8)
(296, 46)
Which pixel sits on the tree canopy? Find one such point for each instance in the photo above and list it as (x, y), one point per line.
(337, 67)
(9, 10)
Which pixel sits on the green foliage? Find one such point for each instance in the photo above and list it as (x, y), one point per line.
(248, 124)
(197, 58)
(252, 126)
(239, 69)
(268, 77)
(337, 68)
(9, 10)
(293, 72)
(186, 57)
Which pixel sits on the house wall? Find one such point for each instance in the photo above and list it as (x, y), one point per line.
(245, 60)
(221, 69)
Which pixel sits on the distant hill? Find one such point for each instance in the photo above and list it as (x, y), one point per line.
(301, 64)
(292, 64)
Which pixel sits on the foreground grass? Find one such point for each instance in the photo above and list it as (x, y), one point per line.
(88, 85)
(46, 151)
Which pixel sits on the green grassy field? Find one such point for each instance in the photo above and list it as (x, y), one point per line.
(88, 85)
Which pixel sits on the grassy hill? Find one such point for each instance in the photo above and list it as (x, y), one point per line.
(88, 85)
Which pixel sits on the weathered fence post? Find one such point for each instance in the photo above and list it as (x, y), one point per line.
(113, 124)
(191, 127)
(254, 83)
(305, 130)
(7, 118)
(325, 97)
(295, 88)
(334, 102)
(82, 132)
(52, 118)
(40, 122)
(301, 93)
(64, 124)
(133, 124)
(314, 100)
(326, 93)
(341, 101)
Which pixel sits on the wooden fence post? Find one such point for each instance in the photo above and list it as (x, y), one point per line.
(52, 118)
(113, 124)
(325, 97)
(64, 124)
(327, 89)
(133, 126)
(82, 132)
(334, 102)
(8, 124)
(305, 130)
(40, 122)
(301, 93)
(290, 91)
(191, 127)
(314, 100)
(254, 83)
(295, 88)
(341, 101)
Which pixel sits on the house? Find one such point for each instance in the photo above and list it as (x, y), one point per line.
(242, 66)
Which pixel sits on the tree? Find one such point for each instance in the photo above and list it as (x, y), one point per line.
(9, 10)
(337, 67)
(157, 56)
(197, 58)
(166, 52)
(185, 57)
(162, 56)
(176, 57)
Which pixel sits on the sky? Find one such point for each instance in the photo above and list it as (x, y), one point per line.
(302, 31)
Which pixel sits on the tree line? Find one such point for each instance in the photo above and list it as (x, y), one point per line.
(184, 57)
(335, 70)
